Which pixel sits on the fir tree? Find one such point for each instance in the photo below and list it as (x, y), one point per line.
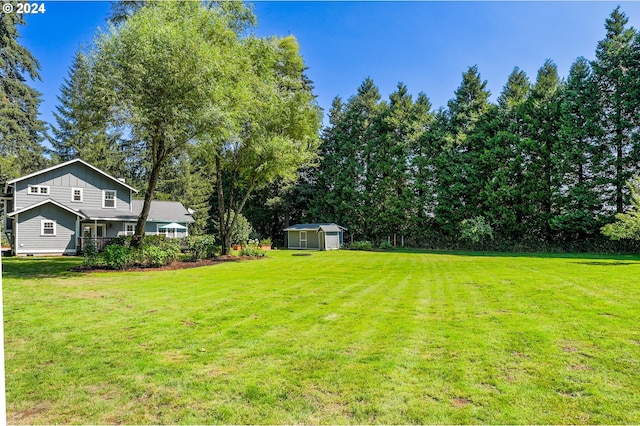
(388, 171)
(541, 180)
(579, 205)
(615, 73)
(459, 184)
(503, 191)
(21, 132)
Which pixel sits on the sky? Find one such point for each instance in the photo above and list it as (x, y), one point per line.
(427, 45)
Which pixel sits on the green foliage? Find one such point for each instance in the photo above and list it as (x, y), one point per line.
(476, 230)
(241, 230)
(202, 246)
(275, 127)
(627, 225)
(360, 245)
(170, 73)
(155, 256)
(265, 242)
(90, 253)
(386, 245)
(253, 250)
(118, 257)
(21, 132)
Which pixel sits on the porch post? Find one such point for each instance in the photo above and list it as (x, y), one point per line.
(16, 240)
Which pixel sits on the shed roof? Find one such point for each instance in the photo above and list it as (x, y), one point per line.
(326, 227)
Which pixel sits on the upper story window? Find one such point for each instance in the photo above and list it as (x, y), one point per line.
(38, 190)
(76, 195)
(109, 199)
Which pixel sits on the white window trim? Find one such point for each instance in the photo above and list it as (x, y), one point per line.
(305, 239)
(73, 200)
(133, 225)
(39, 190)
(115, 198)
(42, 223)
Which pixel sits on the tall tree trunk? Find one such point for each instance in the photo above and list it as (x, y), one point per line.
(158, 158)
(619, 173)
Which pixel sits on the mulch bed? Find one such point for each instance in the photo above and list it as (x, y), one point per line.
(174, 266)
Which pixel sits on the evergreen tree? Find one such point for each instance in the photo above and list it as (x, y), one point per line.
(388, 168)
(615, 73)
(459, 183)
(580, 208)
(342, 177)
(503, 191)
(541, 181)
(422, 171)
(21, 132)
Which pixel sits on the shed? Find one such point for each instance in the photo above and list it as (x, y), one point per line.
(318, 236)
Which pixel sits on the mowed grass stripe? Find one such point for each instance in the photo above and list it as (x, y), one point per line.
(337, 337)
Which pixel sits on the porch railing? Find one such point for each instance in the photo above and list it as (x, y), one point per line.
(100, 243)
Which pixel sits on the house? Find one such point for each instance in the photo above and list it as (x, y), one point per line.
(319, 236)
(53, 211)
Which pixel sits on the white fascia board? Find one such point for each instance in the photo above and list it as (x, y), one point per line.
(66, 163)
(47, 201)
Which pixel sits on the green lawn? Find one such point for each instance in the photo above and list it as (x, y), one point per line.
(337, 337)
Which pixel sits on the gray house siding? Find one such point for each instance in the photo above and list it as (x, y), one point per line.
(30, 230)
(54, 201)
(312, 240)
(61, 181)
(293, 241)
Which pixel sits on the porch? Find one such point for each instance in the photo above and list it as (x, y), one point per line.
(99, 242)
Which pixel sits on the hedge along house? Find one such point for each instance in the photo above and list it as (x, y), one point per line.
(56, 210)
(317, 236)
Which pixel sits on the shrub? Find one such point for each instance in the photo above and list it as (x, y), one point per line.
(121, 240)
(202, 246)
(265, 242)
(155, 256)
(360, 245)
(117, 257)
(386, 245)
(90, 253)
(476, 230)
(253, 251)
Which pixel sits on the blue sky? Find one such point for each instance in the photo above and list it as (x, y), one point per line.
(427, 45)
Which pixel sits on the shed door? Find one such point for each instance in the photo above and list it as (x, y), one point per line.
(303, 239)
(333, 241)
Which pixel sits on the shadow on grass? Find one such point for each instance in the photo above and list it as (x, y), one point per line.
(608, 263)
(39, 267)
(625, 259)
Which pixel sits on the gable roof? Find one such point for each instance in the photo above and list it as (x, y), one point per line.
(326, 227)
(77, 160)
(47, 201)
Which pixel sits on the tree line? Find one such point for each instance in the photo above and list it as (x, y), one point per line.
(546, 166)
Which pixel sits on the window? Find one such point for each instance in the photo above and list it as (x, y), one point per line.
(109, 199)
(38, 190)
(48, 228)
(129, 229)
(76, 195)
